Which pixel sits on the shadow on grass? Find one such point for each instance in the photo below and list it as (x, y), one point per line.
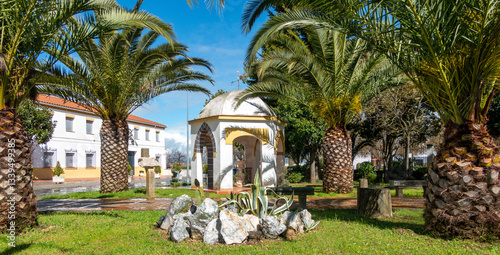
(349, 215)
(112, 214)
(17, 249)
(140, 191)
(20, 248)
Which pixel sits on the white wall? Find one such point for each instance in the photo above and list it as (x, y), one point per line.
(80, 142)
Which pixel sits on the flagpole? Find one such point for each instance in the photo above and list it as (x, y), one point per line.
(187, 136)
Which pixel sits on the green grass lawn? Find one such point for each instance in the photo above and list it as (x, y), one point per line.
(133, 193)
(318, 191)
(133, 232)
(175, 192)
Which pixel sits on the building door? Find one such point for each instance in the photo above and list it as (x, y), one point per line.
(131, 161)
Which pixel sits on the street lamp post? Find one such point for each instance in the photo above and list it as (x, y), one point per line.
(187, 136)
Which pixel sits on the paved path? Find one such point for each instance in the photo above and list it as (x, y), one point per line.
(43, 188)
(163, 203)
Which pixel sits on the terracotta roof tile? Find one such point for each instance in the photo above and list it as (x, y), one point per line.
(61, 102)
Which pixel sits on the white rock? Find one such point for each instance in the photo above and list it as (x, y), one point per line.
(250, 222)
(272, 227)
(204, 214)
(212, 233)
(180, 204)
(306, 218)
(293, 221)
(231, 230)
(179, 231)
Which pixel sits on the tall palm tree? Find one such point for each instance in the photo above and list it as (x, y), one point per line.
(328, 72)
(451, 52)
(210, 3)
(28, 29)
(114, 76)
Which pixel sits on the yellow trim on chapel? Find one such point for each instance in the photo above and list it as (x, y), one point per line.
(70, 115)
(238, 118)
(233, 133)
(279, 138)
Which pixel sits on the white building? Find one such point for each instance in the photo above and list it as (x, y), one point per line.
(76, 142)
(220, 125)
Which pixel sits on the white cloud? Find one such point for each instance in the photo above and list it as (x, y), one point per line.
(175, 137)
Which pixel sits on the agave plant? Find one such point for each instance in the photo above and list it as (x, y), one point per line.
(200, 194)
(256, 201)
(312, 226)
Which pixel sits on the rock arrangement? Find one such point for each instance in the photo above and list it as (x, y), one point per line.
(184, 220)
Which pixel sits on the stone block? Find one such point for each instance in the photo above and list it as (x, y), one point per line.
(373, 202)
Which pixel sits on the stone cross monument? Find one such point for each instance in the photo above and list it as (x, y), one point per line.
(149, 164)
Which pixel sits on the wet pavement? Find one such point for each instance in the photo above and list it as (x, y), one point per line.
(47, 187)
(139, 204)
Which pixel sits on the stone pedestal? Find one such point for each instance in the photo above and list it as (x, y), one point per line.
(150, 182)
(149, 164)
(374, 203)
(399, 191)
(363, 183)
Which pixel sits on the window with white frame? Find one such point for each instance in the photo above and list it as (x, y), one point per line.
(69, 124)
(147, 135)
(89, 160)
(70, 159)
(136, 133)
(89, 125)
(157, 136)
(48, 159)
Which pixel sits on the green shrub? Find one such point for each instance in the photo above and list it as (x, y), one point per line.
(174, 180)
(57, 171)
(397, 165)
(177, 167)
(364, 169)
(129, 168)
(157, 169)
(294, 177)
(419, 172)
(371, 177)
(205, 168)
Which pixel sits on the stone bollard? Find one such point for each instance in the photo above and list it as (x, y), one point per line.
(373, 202)
(363, 183)
(150, 182)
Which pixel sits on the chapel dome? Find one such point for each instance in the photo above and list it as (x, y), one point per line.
(225, 105)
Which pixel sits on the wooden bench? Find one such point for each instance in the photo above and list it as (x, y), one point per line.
(399, 185)
(302, 192)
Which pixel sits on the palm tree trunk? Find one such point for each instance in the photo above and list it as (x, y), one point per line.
(463, 191)
(18, 200)
(114, 152)
(337, 150)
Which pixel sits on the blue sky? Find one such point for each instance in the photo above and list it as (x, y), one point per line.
(216, 37)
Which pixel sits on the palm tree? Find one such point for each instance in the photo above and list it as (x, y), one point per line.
(328, 72)
(28, 29)
(209, 3)
(115, 76)
(451, 52)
